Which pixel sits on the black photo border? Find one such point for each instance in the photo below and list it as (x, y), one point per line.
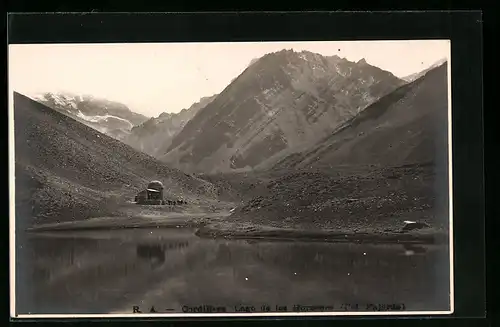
(463, 28)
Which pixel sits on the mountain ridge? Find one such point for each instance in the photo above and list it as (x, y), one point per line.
(417, 75)
(280, 101)
(419, 106)
(154, 135)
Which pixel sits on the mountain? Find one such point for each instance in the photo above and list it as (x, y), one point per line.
(112, 118)
(415, 76)
(407, 126)
(65, 170)
(384, 166)
(279, 102)
(155, 135)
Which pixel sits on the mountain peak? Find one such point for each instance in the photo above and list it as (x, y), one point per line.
(362, 61)
(251, 128)
(280, 53)
(165, 115)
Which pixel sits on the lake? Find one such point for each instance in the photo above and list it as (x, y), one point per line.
(175, 271)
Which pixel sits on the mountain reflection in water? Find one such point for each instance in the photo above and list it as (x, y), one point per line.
(102, 272)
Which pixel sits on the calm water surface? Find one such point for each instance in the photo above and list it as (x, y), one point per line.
(112, 271)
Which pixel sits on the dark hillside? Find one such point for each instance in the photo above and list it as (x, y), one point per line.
(68, 171)
(387, 165)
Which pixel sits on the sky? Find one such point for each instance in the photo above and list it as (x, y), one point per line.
(151, 78)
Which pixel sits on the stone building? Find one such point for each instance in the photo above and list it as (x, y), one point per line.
(153, 194)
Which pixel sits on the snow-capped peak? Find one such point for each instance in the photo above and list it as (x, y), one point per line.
(101, 114)
(103, 118)
(415, 76)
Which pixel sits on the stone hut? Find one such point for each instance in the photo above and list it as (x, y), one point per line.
(142, 196)
(153, 194)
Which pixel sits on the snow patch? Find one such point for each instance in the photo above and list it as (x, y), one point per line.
(97, 119)
(62, 100)
(339, 71)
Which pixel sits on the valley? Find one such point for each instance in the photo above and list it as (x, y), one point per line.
(298, 145)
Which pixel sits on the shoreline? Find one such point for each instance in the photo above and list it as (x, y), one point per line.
(216, 230)
(129, 222)
(428, 236)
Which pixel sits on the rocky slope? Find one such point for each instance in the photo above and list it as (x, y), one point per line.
(155, 135)
(387, 165)
(279, 102)
(405, 127)
(361, 200)
(67, 171)
(108, 117)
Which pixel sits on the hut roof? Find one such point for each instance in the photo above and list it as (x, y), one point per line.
(155, 185)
